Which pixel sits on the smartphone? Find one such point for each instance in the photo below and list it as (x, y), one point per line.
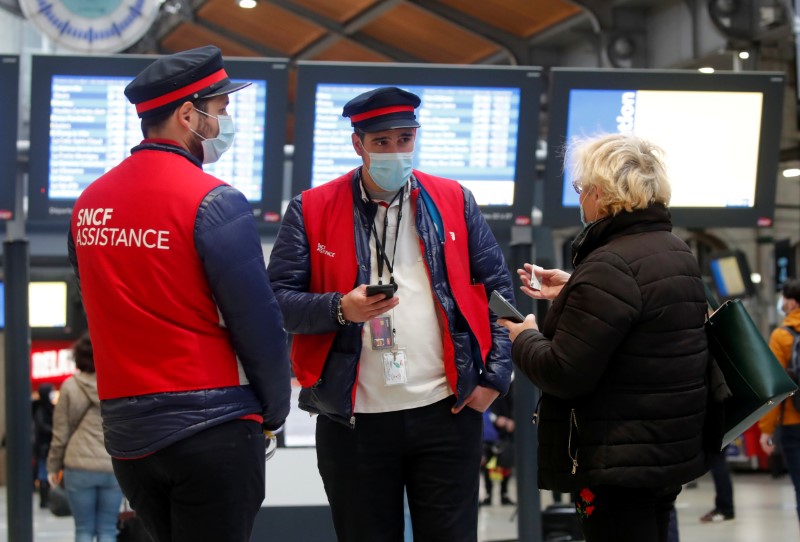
(387, 289)
(503, 309)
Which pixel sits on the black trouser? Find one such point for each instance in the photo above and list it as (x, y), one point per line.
(436, 455)
(723, 485)
(623, 514)
(207, 487)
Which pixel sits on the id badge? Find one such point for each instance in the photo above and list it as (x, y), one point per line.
(380, 329)
(394, 367)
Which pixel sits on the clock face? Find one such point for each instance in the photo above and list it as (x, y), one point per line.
(92, 26)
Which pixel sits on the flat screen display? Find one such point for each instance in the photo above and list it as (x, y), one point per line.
(720, 133)
(47, 304)
(731, 274)
(9, 91)
(479, 126)
(2, 306)
(81, 117)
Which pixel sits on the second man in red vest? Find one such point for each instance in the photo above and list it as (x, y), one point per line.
(399, 379)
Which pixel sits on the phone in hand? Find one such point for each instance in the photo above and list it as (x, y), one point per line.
(387, 289)
(503, 309)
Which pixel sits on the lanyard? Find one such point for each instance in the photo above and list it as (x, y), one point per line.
(380, 245)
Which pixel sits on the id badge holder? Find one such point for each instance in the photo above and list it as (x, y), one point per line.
(394, 367)
(380, 329)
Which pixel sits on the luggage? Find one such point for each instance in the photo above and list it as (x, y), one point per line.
(560, 523)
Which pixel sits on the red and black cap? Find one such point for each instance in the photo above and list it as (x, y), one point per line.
(384, 108)
(186, 76)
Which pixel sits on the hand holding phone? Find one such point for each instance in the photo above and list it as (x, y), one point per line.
(387, 289)
(503, 309)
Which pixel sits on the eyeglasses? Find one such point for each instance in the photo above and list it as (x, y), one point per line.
(576, 184)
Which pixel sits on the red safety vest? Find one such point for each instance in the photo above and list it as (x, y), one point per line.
(154, 324)
(334, 267)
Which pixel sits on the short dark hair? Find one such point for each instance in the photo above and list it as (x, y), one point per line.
(83, 353)
(156, 121)
(791, 289)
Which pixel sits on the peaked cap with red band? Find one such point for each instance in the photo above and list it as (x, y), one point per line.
(186, 76)
(384, 108)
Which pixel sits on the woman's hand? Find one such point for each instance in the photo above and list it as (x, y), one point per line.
(552, 280)
(54, 478)
(516, 329)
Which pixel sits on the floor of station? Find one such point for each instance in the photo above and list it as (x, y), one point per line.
(765, 512)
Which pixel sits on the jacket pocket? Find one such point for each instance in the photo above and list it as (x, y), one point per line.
(465, 365)
(332, 394)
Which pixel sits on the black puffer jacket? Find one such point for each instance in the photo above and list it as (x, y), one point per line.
(621, 360)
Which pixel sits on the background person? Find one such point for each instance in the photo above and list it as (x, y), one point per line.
(189, 345)
(42, 409)
(498, 448)
(77, 449)
(723, 489)
(622, 354)
(785, 415)
(400, 401)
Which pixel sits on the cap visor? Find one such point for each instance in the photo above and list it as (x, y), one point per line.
(227, 89)
(391, 124)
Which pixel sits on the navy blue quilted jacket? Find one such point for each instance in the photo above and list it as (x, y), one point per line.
(310, 313)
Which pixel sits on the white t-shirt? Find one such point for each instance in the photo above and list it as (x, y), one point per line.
(414, 319)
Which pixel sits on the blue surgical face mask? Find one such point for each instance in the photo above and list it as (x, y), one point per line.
(583, 216)
(391, 170)
(213, 147)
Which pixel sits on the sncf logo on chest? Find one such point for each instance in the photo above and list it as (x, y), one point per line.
(95, 228)
(322, 249)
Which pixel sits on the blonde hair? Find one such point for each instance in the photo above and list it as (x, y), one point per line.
(629, 171)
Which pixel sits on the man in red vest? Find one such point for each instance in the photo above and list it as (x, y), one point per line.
(400, 379)
(189, 346)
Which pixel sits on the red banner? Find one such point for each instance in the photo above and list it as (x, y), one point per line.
(51, 361)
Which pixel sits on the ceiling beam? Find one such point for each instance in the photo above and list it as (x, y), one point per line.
(232, 35)
(516, 49)
(349, 30)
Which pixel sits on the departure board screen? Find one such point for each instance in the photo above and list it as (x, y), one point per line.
(93, 127)
(9, 82)
(82, 125)
(720, 134)
(478, 126)
(468, 134)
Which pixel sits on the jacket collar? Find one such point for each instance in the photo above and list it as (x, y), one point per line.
(166, 145)
(653, 218)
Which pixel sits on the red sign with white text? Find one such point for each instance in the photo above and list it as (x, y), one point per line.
(51, 362)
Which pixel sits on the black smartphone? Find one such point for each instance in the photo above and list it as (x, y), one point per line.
(387, 289)
(503, 309)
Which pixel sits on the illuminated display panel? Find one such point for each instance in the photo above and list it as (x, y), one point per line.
(731, 274)
(720, 133)
(9, 91)
(47, 304)
(81, 117)
(479, 126)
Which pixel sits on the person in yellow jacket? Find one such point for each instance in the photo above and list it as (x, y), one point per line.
(785, 415)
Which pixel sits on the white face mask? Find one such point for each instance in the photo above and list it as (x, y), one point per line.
(213, 147)
(390, 170)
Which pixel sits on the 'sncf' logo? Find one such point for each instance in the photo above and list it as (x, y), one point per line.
(321, 250)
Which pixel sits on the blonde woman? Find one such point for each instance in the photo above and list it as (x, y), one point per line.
(621, 355)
